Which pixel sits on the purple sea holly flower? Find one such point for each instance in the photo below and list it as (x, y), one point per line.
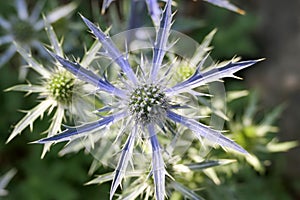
(145, 102)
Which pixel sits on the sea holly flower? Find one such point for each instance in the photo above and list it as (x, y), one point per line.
(24, 28)
(145, 102)
(56, 90)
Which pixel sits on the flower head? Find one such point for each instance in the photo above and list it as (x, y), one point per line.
(56, 90)
(61, 86)
(146, 102)
(24, 28)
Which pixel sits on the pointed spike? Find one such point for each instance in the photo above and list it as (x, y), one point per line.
(78, 131)
(56, 14)
(215, 74)
(160, 45)
(105, 5)
(158, 166)
(56, 46)
(31, 61)
(91, 54)
(203, 131)
(154, 11)
(112, 50)
(55, 127)
(88, 76)
(227, 5)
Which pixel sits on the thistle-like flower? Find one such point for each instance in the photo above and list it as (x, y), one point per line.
(146, 102)
(56, 90)
(24, 28)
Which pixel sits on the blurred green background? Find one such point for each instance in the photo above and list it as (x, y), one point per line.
(262, 32)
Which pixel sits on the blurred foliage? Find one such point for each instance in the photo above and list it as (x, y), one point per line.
(259, 174)
(235, 35)
(63, 177)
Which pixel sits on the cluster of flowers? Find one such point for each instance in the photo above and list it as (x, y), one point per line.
(139, 103)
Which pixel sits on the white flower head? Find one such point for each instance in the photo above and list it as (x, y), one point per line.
(56, 89)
